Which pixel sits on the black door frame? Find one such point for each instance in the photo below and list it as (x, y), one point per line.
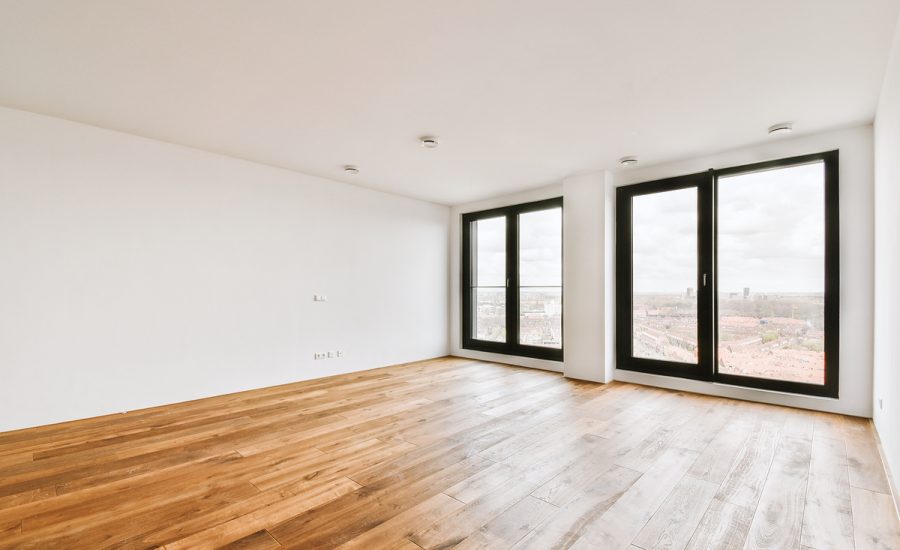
(625, 359)
(707, 296)
(511, 346)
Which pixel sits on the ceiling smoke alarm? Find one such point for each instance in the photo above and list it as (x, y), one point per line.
(429, 142)
(781, 128)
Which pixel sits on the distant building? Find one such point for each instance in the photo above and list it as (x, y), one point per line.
(689, 293)
(746, 292)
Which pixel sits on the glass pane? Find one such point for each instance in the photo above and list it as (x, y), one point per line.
(540, 248)
(490, 252)
(771, 241)
(540, 278)
(490, 314)
(490, 279)
(664, 300)
(540, 317)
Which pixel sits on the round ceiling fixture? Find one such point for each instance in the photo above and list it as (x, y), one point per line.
(429, 142)
(351, 170)
(781, 128)
(628, 161)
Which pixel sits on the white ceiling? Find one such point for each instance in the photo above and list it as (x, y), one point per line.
(521, 92)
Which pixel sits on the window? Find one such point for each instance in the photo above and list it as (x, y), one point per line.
(732, 275)
(512, 280)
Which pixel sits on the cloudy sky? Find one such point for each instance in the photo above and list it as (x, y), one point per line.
(771, 237)
(771, 234)
(665, 241)
(540, 249)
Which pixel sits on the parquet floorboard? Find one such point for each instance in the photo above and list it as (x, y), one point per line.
(448, 453)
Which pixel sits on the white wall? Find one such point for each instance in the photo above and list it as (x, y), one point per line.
(887, 264)
(856, 259)
(136, 273)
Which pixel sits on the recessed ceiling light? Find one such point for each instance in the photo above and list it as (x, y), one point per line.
(429, 142)
(781, 128)
(350, 169)
(628, 161)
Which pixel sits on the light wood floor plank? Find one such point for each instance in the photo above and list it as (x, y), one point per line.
(565, 527)
(509, 527)
(672, 526)
(875, 525)
(448, 452)
(828, 517)
(866, 470)
(625, 519)
(724, 526)
(779, 516)
(745, 480)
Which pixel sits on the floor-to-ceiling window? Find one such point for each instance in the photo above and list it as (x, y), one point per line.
(512, 280)
(732, 275)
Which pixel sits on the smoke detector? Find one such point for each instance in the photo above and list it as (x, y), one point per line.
(429, 142)
(781, 128)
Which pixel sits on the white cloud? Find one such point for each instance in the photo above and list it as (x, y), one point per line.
(771, 235)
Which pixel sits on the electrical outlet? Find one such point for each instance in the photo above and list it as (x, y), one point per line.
(320, 355)
(339, 353)
(331, 355)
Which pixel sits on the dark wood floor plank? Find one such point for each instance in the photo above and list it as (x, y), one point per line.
(260, 540)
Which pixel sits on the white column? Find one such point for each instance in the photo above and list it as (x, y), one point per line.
(585, 278)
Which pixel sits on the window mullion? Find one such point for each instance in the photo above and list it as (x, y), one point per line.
(512, 278)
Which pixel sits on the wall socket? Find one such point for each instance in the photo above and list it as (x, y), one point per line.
(328, 354)
(320, 298)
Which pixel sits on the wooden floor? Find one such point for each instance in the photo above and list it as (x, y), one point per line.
(449, 453)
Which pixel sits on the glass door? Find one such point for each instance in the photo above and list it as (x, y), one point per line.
(732, 275)
(776, 235)
(663, 283)
(540, 278)
(512, 280)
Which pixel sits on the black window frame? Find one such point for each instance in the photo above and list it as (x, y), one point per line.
(702, 370)
(511, 346)
(707, 296)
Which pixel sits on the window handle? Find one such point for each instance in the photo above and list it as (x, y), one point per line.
(704, 279)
